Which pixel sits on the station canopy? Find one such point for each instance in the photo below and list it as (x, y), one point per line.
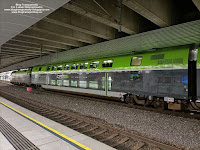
(81, 29)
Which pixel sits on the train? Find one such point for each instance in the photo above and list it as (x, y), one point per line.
(166, 77)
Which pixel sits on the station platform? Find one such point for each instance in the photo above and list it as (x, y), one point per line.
(24, 129)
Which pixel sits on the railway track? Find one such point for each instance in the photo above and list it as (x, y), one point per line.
(113, 136)
(115, 101)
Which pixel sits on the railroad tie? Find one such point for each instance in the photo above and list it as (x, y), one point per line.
(110, 137)
(138, 146)
(81, 126)
(120, 142)
(89, 130)
(76, 123)
(98, 133)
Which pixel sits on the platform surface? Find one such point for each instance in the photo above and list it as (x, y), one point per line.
(39, 136)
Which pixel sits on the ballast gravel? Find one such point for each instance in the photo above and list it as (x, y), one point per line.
(178, 131)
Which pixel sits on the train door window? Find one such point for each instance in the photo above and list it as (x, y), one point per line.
(107, 63)
(94, 64)
(74, 66)
(66, 67)
(83, 84)
(59, 67)
(93, 84)
(40, 69)
(136, 61)
(53, 68)
(48, 68)
(73, 83)
(160, 79)
(65, 82)
(84, 65)
(109, 83)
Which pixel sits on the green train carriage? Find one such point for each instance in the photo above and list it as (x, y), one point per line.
(141, 77)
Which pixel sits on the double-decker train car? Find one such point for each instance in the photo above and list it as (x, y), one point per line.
(153, 77)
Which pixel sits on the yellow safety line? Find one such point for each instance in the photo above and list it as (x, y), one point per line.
(45, 126)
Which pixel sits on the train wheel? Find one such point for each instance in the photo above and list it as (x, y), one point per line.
(164, 105)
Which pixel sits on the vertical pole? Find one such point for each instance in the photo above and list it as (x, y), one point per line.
(106, 83)
(192, 72)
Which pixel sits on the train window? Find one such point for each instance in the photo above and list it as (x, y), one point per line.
(53, 68)
(74, 66)
(59, 67)
(82, 84)
(59, 82)
(94, 64)
(84, 65)
(48, 68)
(136, 61)
(168, 80)
(135, 75)
(66, 67)
(40, 69)
(53, 82)
(93, 84)
(73, 83)
(66, 82)
(107, 63)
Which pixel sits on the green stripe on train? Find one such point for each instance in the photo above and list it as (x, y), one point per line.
(173, 57)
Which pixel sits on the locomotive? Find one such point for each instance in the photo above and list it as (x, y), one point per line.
(168, 77)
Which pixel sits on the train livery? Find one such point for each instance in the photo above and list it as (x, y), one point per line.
(149, 78)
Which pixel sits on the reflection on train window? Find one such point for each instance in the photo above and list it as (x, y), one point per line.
(84, 65)
(83, 84)
(66, 67)
(48, 68)
(94, 64)
(59, 82)
(93, 84)
(73, 83)
(74, 66)
(53, 68)
(107, 63)
(136, 61)
(40, 69)
(65, 82)
(59, 67)
(53, 82)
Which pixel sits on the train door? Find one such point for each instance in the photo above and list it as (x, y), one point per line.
(106, 84)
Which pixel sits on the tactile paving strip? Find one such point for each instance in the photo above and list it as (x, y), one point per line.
(18, 141)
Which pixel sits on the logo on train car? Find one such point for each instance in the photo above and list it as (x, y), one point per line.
(184, 79)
